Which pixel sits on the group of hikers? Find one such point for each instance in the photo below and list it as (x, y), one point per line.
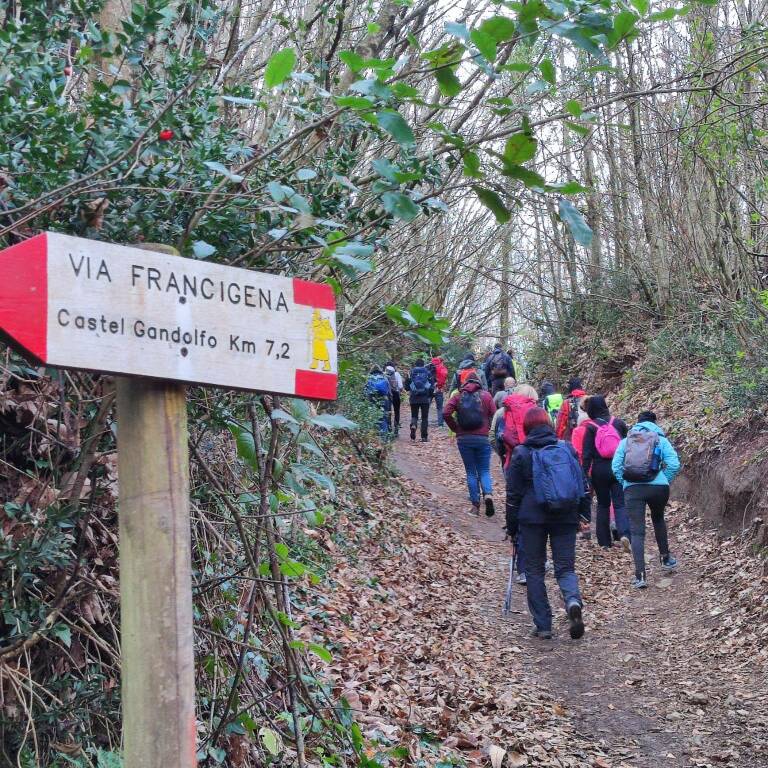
(558, 451)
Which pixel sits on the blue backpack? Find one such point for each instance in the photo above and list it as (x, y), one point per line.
(558, 481)
(420, 383)
(377, 387)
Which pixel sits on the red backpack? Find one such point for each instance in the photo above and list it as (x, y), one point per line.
(515, 408)
(441, 373)
(464, 374)
(577, 437)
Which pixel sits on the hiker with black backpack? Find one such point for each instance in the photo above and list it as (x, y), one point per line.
(468, 367)
(498, 367)
(440, 375)
(602, 436)
(420, 386)
(546, 494)
(568, 416)
(646, 463)
(396, 387)
(469, 413)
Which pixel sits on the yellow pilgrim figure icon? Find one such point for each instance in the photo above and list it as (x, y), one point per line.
(322, 332)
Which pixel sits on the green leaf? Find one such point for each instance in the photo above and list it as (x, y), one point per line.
(494, 204)
(293, 569)
(547, 69)
(305, 174)
(520, 148)
(623, 24)
(358, 265)
(278, 414)
(246, 448)
(472, 165)
(202, 250)
(568, 188)
(447, 82)
(400, 205)
(500, 28)
(333, 421)
(353, 60)
(392, 122)
(666, 15)
(321, 652)
(641, 6)
(531, 179)
(573, 107)
(372, 28)
(223, 170)
(459, 30)
(485, 43)
(279, 67)
(575, 222)
(385, 168)
(582, 130)
(354, 102)
(270, 740)
(63, 633)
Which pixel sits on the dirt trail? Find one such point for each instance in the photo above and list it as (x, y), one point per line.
(663, 676)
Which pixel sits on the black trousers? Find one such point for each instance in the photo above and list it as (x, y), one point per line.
(396, 402)
(656, 498)
(423, 409)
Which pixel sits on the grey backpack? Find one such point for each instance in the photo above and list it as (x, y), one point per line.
(642, 456)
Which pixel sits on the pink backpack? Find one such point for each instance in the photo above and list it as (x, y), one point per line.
(607, 440)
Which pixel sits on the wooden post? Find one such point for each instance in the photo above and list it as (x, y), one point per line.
(158, 682)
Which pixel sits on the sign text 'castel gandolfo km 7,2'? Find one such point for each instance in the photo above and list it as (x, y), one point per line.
(76, 303)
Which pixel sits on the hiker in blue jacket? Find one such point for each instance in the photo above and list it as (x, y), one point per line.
(539, 522)
(378, 392)
(646, 463)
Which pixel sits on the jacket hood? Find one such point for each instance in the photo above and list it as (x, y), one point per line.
(547, 388)
(468, 363)
(472, 386)
(515, 400)
(541, 436)
(577, 393)
(649, 426)
(597, 408)
(436, 360)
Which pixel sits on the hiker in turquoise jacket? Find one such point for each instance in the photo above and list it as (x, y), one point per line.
(653, 493)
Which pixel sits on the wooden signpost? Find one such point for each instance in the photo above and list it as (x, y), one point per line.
(160, 321)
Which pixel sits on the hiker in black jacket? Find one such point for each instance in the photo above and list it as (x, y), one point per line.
(598, 470)
(420, 385)
(498, 367)
(537, 524)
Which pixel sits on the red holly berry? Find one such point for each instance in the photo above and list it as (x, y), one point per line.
(67, 71)
(166, 134)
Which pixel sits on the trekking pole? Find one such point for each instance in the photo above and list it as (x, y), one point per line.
(508, 596)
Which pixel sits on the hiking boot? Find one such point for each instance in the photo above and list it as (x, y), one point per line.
(476, 508)
(626, 544)
(424, 439)
(576, 622)
(668, 563)
(489, 510)
(522, 579)
(542, 634)
(413, 433)
(614, 532)
(639, 582)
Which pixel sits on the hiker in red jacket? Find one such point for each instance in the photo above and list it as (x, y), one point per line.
(568, 417)
(516, 406)
(440, 373)
(468, 413)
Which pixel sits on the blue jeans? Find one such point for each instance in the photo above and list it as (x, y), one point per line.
(562, 540)
(475, 452)
(439, 406)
